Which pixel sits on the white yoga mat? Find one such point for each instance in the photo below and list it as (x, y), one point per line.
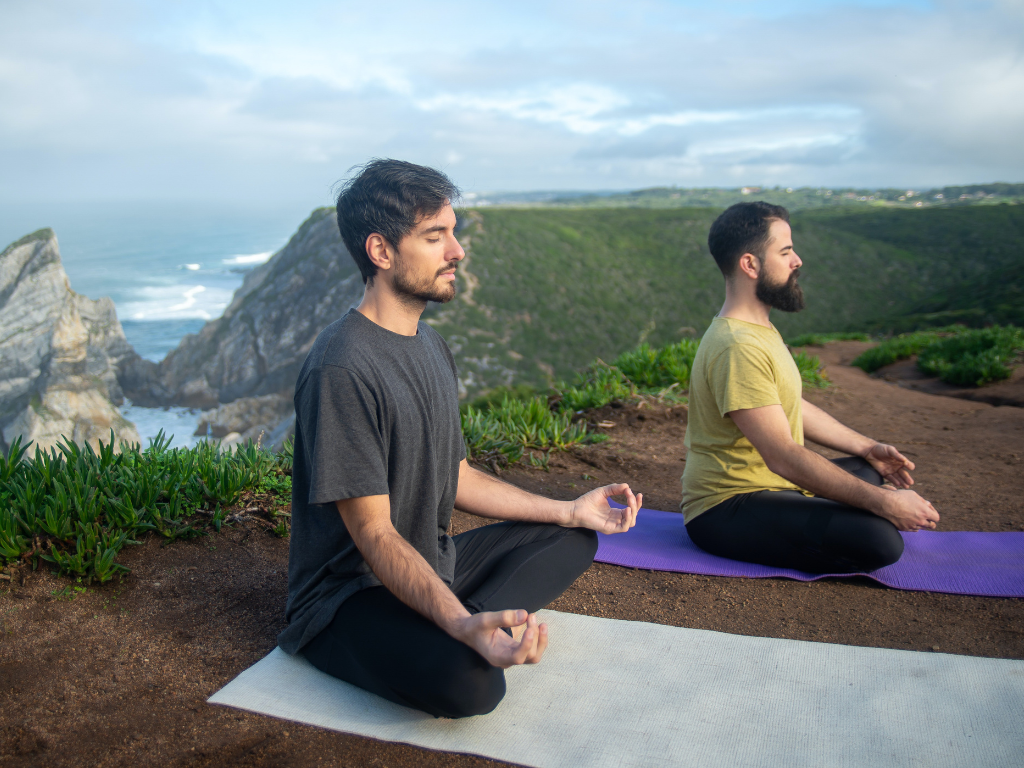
(623, 694)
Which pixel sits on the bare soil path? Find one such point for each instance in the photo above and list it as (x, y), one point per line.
(118, 675)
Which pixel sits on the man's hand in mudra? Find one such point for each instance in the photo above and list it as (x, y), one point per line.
(592, 510)
(485, 633)
(892, 465)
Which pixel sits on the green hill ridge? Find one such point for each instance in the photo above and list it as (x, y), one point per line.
(544, 291)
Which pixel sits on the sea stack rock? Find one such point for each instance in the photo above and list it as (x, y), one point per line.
(59, 352)
(256, 348)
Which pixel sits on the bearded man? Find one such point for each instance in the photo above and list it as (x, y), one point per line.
(751, 490)
(379, 594)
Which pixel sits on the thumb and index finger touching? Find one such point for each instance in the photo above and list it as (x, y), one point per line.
(633, 501)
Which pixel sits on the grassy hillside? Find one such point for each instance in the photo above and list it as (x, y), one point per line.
(546, 290)
(971, 262)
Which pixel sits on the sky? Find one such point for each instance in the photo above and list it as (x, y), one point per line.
(272, 101)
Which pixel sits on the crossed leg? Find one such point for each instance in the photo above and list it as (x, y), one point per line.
(380, 644)
(786, 529)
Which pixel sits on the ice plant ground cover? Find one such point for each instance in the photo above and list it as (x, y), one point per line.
(77, 507)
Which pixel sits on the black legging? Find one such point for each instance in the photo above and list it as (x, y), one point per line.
(786, 529)
(382, 645)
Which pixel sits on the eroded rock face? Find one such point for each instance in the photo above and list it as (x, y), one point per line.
(257, 346)
(59, 352)
(245, 414)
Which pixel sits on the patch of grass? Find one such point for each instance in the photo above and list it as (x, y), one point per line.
(820, 339)
(903, 346)
(811, 370)
(495, 396)
(518, 430)
(652, 369)
(77, 507)
(595, 387)
(975, 357)
(645, 371)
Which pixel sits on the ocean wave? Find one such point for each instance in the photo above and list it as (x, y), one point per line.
(250, 259)
(176, 302)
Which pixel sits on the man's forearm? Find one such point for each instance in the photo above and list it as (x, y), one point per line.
(821, 477)
(824, 430)
(408, 576)
(486, 496)
(403, 571)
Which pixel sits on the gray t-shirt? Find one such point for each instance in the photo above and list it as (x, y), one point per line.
(375, 413)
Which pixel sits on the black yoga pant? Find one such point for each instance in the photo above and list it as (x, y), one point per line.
(786, 529)
(382, 645)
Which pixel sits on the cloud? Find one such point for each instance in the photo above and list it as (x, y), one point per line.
(578, 107)
(109, 97)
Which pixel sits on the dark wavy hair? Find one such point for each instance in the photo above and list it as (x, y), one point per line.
(742, 228)
(388, 197)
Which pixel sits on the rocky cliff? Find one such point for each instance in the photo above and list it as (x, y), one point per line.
(257, 346)
(60, 353)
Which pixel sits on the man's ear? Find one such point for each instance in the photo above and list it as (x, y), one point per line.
(379, 251)
(748, 265)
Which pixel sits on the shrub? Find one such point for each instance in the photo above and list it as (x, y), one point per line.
(903, 346)
(975, 357)
(595, 387)
(658, 368)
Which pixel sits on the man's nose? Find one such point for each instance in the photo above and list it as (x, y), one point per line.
(457, 253)
(799, 262)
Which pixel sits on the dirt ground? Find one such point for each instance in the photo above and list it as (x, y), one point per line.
(119, 675)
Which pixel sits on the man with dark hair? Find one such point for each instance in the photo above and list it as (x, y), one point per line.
(751, 490)
(378, 593)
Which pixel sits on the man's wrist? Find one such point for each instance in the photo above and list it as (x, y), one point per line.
(865, 452)
(567, 516)
(454, 623)
(879, 502)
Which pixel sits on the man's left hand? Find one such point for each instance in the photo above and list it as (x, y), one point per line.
(592, 510)
(892, 465)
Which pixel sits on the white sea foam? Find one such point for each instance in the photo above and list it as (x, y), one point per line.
(178, 423)
(176, 302)
(249, 259)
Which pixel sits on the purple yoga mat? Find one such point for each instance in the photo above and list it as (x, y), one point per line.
(957, 562)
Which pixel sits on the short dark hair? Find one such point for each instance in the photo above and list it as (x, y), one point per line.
(388, 197)
(742, 228)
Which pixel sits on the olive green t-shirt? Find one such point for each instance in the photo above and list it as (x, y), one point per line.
(739, 365)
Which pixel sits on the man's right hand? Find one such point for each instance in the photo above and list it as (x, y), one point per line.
(484, 633)
(908, 511)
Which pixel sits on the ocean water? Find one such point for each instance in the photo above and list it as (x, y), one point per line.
(168, 268)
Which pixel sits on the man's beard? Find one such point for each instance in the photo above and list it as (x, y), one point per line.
(787, 296)
(426, 290)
